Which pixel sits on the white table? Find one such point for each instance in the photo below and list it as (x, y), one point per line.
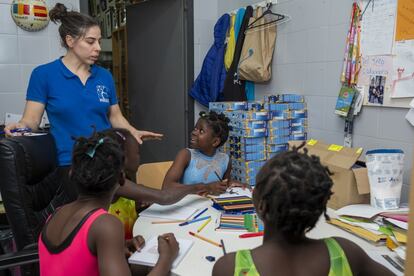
(195, 263)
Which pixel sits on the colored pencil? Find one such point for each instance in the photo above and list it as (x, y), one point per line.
(204, 239)
(203, 225)
(194, 220)
(251, 235)
(199, 214)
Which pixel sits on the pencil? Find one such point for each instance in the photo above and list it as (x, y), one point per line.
(222, 247)
(203, 225)
(204, 239)
(168, 221)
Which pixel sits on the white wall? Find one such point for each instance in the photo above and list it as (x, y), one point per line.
(20, 52)
(308, 61)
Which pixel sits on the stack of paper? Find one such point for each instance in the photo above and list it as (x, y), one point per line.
(375, 225)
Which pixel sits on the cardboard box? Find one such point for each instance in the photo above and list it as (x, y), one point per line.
(351, 184)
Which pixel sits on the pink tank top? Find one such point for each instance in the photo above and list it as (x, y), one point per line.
(72, 256)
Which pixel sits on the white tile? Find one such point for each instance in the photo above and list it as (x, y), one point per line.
(206, 9)
(197, 62)
(287, 78)
(11, 103)
(56, 49)
(197, 30)
(332, 122)
(206, 34)
(315, 111)
(315, 78)
(7, 25)
(9, 53)
(336, 42)
(329, 137)
(34, 49)
(10, 78)
(295, 44)
(315, 13)
(394, 126)
(367, 121)
(339, 12)
(280, 53)
(316, 44)
(25, 73)
(333, 78)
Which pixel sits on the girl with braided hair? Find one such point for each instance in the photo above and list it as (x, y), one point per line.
(81, 238)
(202, 163)
(291, 193)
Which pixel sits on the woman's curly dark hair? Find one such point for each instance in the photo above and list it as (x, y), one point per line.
(294, 189)
(97, 163)
(219, 123)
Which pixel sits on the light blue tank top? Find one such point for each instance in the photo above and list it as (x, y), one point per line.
(202, 167)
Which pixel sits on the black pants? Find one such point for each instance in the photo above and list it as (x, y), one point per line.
(53, 191)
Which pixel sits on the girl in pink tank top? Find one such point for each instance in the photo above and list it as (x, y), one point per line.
(81, 238)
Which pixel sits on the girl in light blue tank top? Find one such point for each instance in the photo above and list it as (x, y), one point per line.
(202, 164)
(204, 168)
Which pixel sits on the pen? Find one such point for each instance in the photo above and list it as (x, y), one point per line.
(203, 225)
(199, 214)
(22, 129)
(218, 176)
(251, 235)
(194, 220)
(222, 247)
(204, 239)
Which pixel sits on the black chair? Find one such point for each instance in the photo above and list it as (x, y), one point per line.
(24, 161)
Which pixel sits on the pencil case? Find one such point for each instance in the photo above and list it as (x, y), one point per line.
(248, 124)
(299, 122)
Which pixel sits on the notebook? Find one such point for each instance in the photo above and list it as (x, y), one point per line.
(171, 212)
(149, 254)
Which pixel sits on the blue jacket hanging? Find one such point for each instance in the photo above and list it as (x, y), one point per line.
(210, 81)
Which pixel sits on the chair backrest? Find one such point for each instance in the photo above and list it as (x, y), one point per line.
(24, 161)
(152, 174)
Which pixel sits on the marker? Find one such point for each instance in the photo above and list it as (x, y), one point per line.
(204, 239)
(203, 225)
(251, 235)
(194, 220)
(22, 129)
(199, 214)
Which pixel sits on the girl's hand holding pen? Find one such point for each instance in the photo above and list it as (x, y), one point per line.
(168, 247)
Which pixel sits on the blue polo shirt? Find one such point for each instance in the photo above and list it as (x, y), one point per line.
(72, 108)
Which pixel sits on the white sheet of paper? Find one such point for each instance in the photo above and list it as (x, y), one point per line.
(403, 69)
(235, 192)
(377, 34)
(410, 116)
(375, 66)
(171, 212)
(364, 211)
(149, 254)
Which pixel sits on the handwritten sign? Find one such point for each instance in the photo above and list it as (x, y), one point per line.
(405, 20)
(375, 66)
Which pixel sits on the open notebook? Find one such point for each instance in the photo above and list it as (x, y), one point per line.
(149, 254)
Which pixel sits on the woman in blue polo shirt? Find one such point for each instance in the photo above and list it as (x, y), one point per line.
(76, 95)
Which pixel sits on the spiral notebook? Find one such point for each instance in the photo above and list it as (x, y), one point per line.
(149, 254)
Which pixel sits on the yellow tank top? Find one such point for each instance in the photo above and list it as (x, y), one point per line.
(231, 44)
(244, 265)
